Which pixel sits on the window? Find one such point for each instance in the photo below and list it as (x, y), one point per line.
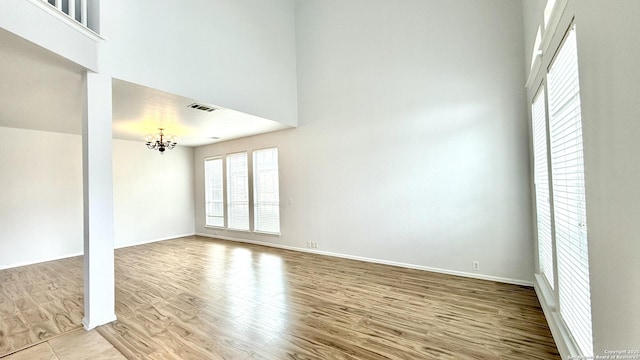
(548, 10)
(231, 173)
(569, 205)
(541, 180)
(536, 47)
(214, 201)
(265, 191)
(238, 191)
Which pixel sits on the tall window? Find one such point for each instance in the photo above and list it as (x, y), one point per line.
(548, 10)
(541, 179)
(238, 191)
(569, 205)
(230, 209)
(265, 191)
(214, 200)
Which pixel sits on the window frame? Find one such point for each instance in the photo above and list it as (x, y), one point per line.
(246, 185)
(224, 193)
(569, 198)
(560, 22)
(255, 192)
(251, 192)
(550, 275)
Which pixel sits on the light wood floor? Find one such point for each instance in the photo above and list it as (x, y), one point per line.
(38, 302)
(197, 298)
(74, 345)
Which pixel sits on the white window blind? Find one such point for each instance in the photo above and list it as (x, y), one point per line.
(237, 191)
(266, 193)
(565, 130)
(541, 179)
(214, 200)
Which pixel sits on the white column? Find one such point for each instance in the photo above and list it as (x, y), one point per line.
(99, 286)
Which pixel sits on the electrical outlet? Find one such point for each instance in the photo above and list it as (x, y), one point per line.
(312, 244)
(475, 265)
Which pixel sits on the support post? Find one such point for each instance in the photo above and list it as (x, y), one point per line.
(97, 171)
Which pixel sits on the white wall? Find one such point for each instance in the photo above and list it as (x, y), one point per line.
(238, 54)
(41, 195)
(412, 145)
(152, 193)
(608, 57)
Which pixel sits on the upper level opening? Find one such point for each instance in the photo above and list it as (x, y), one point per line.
(83, 12)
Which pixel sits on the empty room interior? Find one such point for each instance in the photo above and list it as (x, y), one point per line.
(319, 179)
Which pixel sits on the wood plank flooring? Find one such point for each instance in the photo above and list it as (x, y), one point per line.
(38, 302)
(198, 298)
(74, 345)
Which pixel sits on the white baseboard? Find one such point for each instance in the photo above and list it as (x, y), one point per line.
(153, 240)
(376, 261)
(60, 257)
(88, 325)
(47, 259)
(312, 251)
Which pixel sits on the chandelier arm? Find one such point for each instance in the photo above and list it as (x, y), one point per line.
(160, 144)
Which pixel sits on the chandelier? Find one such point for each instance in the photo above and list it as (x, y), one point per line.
(161, 142)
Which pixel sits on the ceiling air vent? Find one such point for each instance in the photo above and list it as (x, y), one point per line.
(202, 107)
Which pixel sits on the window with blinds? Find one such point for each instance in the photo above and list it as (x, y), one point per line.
(214, 196)
(541, 179)
(266, 195)
(567, 166)
(237, 191)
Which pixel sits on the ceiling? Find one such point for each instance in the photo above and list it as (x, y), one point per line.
(42, 91)
(139, 110)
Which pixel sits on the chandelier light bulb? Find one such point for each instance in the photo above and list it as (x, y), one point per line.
(160, 142)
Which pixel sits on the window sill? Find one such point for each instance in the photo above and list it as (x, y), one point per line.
(267, 233)
(222, 228)
(547, 292)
